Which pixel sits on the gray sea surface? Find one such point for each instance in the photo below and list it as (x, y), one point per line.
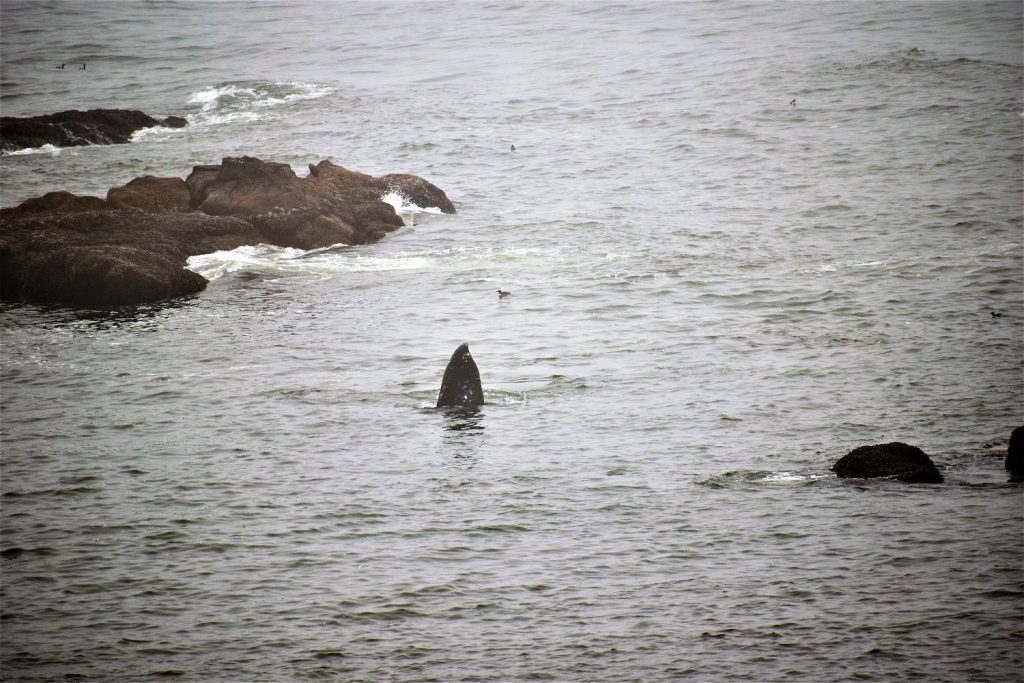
(715, 294)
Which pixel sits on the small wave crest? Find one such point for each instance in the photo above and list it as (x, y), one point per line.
(239, 101)
(261, 258)
(404, 206)
(748, 478)
(266, 259)
(52, 150)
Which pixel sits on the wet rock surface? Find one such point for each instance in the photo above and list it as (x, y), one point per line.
(132, 247)
(893, 460)
(74, 128)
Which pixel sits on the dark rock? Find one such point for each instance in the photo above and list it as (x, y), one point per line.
(460, 387)
(1015, 453)
(151, 194)
(419, 191)
(892, 460)
(197, 182)
(246, 186)
(111, 257)
(132, 247)
(304, 229)
(63, 201)
(287, 207)
(73, 128)
(111, 274)
(416, 189)
(174, 122)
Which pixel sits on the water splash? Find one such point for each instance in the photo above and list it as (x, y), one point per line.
(239, 101)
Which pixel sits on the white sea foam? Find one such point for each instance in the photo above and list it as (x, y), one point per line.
(266, 259)
(263, 258)
(404, 206)
(45, 149)
(155, 132)
(784, 477)
(241, 101)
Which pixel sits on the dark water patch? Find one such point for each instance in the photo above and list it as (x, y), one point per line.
(26, 553)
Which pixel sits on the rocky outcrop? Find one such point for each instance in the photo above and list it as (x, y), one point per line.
(63, 202)
(151, 194)
(131, 247)
(74, 128)
(1015, 454)
(893, 460)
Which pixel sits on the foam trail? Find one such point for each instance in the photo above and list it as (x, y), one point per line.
(269, 260)
(263, 258)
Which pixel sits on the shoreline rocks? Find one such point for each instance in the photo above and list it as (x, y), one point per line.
(893, 460)
(74, 128)
(131, 247)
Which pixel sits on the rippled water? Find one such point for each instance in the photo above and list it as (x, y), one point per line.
(715, 295)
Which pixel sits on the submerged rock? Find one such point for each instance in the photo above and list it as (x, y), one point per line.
(73, 128)
(894, 460)
(1015, 454)
(132, 247)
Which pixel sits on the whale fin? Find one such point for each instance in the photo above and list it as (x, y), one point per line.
(461, 384)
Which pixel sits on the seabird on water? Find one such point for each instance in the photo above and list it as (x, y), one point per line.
(59, 67)
(792, 102)
(502, 293)
(513, 148)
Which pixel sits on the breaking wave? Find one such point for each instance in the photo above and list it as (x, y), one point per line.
(239, 101)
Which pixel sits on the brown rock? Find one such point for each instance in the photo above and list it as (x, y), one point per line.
(304, 229)
(151, 194)
(132, 248)
(109, 275)
(111, 257)
(63, 201)
(246, 186)
(197, 182)
(418, 190)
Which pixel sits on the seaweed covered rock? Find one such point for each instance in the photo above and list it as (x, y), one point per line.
(893, 460)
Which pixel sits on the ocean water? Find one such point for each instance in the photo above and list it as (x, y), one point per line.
(716, 293)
